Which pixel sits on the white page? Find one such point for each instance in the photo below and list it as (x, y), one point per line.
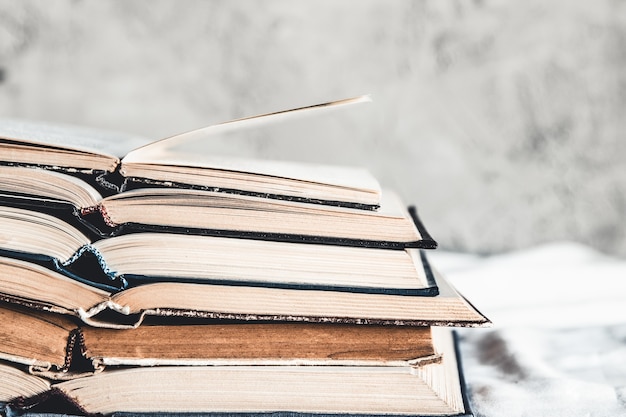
(204, 148)
(95, 141)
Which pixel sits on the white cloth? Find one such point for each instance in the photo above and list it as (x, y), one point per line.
(558, 342)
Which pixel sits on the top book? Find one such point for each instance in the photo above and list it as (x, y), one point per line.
(116, 162)
(109, 184)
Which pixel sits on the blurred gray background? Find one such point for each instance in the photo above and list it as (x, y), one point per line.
(503, 121)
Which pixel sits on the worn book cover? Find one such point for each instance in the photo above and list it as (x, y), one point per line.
(433, 389)
(59, 347)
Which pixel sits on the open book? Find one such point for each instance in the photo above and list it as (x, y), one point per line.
(137, 258)
(167, 163)
(168, 186)
(56, 347)
(431, 389)
(211, 213)
(32, 285)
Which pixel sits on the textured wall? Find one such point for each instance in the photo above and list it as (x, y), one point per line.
(503, 121)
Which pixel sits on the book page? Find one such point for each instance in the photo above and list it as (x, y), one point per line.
(230, 147)
(258, 344)
(348, 177)
(36, 338)
(245, 123)
(82, 139)
(14, 382)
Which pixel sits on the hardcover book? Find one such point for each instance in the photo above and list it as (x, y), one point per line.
(85, 154)
(136, 258)
(141, 279)
(432, 389)
(109, 185)
(35, 286)
(213, 213)
(59, 348)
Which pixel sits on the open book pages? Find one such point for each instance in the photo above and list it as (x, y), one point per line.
(33, 285)
(47, 144)
(54, 346)
(299, 181)
(141, 257)
(169, 163)
(137, 258)
(433, 389)
(210, 212)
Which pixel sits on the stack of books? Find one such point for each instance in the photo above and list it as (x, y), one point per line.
(174, 282)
